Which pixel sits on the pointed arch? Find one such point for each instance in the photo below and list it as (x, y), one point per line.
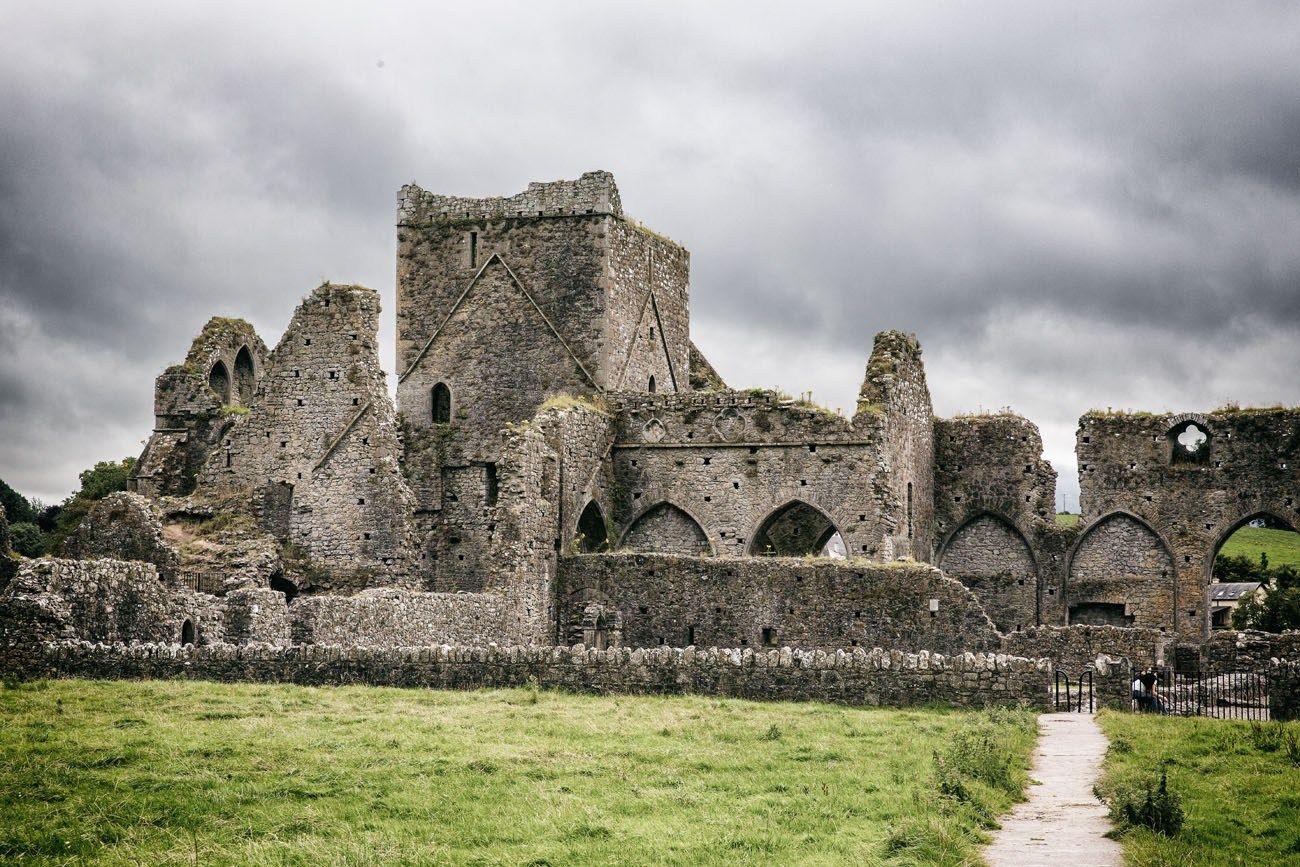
(1121, 573)
(188, 636)
(666, 528)
(1272, 514)
(990, 555)
(593, 535)
(245, 384)
(219, 380)
(440, 403)
(794, 529)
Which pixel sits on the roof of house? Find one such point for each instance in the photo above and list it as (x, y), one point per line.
(1233, 590)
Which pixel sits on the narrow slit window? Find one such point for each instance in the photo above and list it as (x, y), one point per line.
(651, 386)
(473, 249)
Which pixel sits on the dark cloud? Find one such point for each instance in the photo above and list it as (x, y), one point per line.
(1072, 206)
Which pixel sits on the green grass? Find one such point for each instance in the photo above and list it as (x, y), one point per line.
(177, 772)
(1067, 519)
(1281, 546)
(1239, 789)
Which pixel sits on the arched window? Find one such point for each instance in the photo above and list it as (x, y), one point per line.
(441, 396)
(245, 377)
(652, 385)
(666, 529)
(187, 633)
(219, 381)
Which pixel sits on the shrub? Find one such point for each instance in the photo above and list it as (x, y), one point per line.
(104, 478)
(1160, 810)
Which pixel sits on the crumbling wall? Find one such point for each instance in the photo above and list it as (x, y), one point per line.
(125, 526)
(859, 677)
(989, 473)
(400, 618)
(731, 460)
(194, 403)
(1138, 463)
(894, 390)
(647, 329)
(317, 456)
(1248, 650)
(679, 601)
(1074, 649)
(93, 600)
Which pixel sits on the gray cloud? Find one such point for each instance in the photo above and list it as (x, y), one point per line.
(1073, 207)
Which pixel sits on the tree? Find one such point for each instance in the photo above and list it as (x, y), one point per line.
(1278, 611)
(104, 478)
(18, 509)
(27, 539)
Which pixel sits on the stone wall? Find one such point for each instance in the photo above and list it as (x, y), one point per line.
(993, 559)
(1248, 650)
(895, 391)
(995, 500)
(317, 455)
(94, 600)
(1139, 464)
(1076, 648)
(821, 603)
(733, 460)
(399, 618)
(1284, 692)
(194, 402)
(125, 526)
(1121, 574)
(859, 677)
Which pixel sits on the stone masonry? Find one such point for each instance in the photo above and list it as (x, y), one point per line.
(562, 466)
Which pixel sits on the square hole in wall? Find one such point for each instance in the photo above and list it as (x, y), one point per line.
(708, 461)
(735, 485)
(708, 499)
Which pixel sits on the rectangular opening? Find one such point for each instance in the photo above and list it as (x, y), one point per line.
(473, 249)
(690, 636)
(490, 484)
(769, 639)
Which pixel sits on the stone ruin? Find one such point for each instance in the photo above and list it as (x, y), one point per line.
(562, 466)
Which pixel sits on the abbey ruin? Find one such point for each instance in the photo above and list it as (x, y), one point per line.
(563, 467)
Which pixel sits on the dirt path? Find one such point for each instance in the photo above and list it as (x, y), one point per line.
(1062, 823)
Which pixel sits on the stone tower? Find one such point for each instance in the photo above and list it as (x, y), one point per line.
(503, 303)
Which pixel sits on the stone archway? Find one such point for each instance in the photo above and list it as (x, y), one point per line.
(796, 529)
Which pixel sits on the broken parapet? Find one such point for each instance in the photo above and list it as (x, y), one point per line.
(593, 193)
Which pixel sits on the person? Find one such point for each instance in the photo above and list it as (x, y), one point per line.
(1146, 693)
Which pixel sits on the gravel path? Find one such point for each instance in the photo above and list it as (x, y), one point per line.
(1062, 824)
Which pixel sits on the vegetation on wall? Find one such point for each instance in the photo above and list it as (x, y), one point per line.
(42, 529)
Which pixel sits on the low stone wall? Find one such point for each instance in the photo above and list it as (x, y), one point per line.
(876, 677)
(1248, 650)
(1284, 691)
(399, 618)
(773, 601)
(1075, 648)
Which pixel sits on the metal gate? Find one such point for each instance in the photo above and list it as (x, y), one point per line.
(1070, 694)
(1239, 695)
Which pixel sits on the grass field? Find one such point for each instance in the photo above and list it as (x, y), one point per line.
(1240, 789)
(201, 773)
(1282, 546)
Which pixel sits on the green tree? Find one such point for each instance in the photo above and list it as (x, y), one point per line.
(27, 539)
(104, 478)
(1278, 611)
(18, 509)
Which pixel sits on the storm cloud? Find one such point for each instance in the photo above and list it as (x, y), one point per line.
(1072, 206)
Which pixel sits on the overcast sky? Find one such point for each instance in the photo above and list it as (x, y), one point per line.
(1072, 205)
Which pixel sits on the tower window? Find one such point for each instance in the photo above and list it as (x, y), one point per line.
(441, 396)
(473, 249)
(490, 484)
(651, 386)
